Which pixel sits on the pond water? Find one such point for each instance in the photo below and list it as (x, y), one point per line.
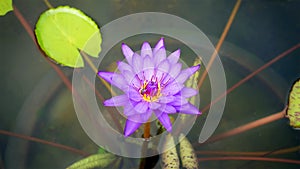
(35, 102)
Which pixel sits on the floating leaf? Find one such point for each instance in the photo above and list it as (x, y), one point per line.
(5, 6)
(293, 111)
(62, 32)
(96, 160)
(187, 154)
(170, 158)
(191, 83)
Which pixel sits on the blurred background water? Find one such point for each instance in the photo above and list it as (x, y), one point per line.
(33, 97)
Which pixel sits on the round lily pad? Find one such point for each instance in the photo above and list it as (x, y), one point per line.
(63, 31)
(5, 6)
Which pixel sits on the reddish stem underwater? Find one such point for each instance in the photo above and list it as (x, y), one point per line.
(280, 160)
(280, 56)
(257, 153)
(29, 30)
(248, 126)
(61, 146)
(220, 42)
(60, 73)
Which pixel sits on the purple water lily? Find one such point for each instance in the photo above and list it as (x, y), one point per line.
(152, 83)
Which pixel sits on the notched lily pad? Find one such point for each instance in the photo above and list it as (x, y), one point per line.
(293, 111)
(63, 31)
(5, 6)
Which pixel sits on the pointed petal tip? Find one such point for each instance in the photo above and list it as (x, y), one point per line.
(125, 46)
(161, 40)
(198, 113)
(131, 127)
(178, 51)
(107, 103)
(146, 43)
(160, 43)
(169, 129)
(105, 75)
(126, 134)
(127, 51)
(102, 74)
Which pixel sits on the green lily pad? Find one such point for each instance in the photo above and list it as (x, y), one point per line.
(293, 111)
(63, 31)
(5, 6)
(93, 161)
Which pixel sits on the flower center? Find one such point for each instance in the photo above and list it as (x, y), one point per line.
(150, 90)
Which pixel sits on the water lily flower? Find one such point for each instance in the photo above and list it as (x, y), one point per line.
(152, 84)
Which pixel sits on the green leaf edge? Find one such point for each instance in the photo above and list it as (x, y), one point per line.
(74, 11)
(92, 161)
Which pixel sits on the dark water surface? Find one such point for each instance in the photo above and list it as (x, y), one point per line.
(35, 102)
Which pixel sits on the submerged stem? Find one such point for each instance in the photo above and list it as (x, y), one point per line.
(258, 153)
(25, 137)
(48, 4)
(147, 130)
(248, 126)
(146, 135)
(280, 160)
(220, 42)
(232, 88)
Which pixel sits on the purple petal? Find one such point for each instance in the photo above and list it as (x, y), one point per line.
(163, 69)
(148, 73)
(175, 70)
(131, 78)
(166, 99)
(123, 66)
(188, 92)
(140, 118)
(114, 79)
(142, 107)
(159, 45)
(186, 73)
(168, 109)
(134, 95)
(159, 56)
(146, 50)
(179, 100)
(154, 105)
(174, 57)
(165, 121)
(137, 63)
(188, 109)
(172, 88)
(148, 68)
(117, 101)
(129, 109)
(127, 52)
(131, 127)
(166, 79)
